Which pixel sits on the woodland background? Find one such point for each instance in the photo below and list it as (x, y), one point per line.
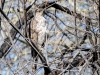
(73, 45)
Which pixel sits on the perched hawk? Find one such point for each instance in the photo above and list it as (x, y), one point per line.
(38, 30)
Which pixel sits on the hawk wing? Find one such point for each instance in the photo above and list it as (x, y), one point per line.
(33, 36)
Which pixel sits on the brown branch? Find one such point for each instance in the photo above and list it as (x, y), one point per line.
(25, 18)
(99, 19)
(62, 8)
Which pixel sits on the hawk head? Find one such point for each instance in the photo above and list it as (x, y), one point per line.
(39, 11)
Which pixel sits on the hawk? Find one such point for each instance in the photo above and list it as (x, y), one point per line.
(38, 31)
